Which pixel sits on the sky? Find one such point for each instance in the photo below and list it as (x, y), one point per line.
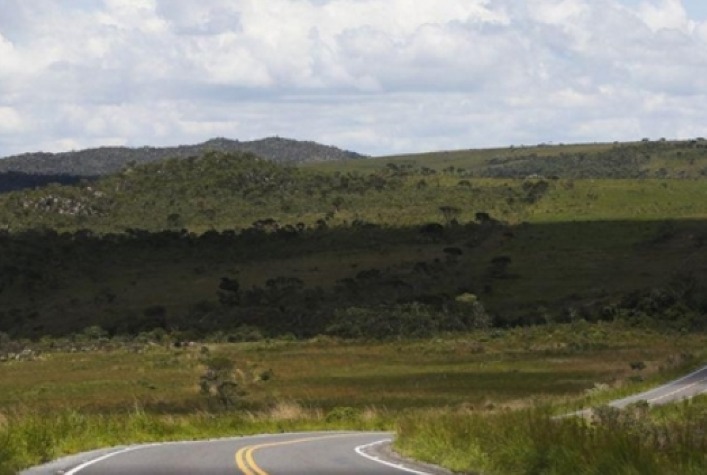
(375, 76)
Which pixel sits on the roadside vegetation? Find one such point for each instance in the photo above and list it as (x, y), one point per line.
(62, 396)
(634, 440)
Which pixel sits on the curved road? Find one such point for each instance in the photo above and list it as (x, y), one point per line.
(315, 453)
(684, 388)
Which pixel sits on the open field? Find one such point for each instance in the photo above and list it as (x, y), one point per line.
(492, 367)
(141, 392)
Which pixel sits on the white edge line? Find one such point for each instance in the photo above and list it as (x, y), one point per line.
(104, 457)
(78, 468)
(360, 450)
(678, 390)
(645, 395)
(697, 371)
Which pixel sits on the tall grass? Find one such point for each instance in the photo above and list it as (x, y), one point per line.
(531, 441)
(29, 439)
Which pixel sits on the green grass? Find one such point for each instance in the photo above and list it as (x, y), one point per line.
(671, 440)
(28, 439)
(468, 159)
(64, 402)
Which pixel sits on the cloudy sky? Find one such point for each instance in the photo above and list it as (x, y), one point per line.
(374, 76)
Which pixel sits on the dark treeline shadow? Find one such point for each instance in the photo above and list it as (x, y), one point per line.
(15, 181)
(362, 280)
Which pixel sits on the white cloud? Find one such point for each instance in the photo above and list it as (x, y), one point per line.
(10, 121)
(375, 76)
(666, 14)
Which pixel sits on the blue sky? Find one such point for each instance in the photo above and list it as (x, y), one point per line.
(696, 9)
(374, 76)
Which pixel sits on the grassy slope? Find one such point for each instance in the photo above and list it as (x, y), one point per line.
(683, 159)
(227, 192)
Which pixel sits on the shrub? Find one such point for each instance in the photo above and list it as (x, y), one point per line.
(219, 381)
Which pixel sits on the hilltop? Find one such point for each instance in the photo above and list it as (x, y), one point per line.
(36, 169)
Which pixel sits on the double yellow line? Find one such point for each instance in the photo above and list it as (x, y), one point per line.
(246, 463)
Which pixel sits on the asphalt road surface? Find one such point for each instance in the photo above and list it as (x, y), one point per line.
(684, 388)
(316, 453)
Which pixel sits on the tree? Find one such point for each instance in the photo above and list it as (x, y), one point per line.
(174, 221)
(450, 213)
(228, 293)
(499, 266)
(482, 217)
(337, 203)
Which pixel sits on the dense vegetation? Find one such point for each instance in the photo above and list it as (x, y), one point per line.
(244, 245)
(359, 281)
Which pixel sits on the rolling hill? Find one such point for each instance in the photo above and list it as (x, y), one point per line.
(37, 169)
(233, 243)
(629, 160)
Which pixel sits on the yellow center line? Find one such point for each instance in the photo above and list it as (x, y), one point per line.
(246, 463)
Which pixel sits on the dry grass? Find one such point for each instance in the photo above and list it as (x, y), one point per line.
(289, 411)
(557, 361)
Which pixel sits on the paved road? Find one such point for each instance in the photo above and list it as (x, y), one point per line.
(316, 453)
(684, 388)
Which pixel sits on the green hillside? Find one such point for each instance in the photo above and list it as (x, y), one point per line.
(247, 247)
(239, 191)
(645, 159)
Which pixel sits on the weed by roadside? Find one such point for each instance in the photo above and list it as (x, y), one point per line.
(529, 441)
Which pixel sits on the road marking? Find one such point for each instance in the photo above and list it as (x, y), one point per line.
(361, 451)
(104, 457)
(679, 390)
(246, 463)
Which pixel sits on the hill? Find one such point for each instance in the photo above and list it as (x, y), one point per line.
(630, 160)
(33, 169)
(234, 243)
(234, 190)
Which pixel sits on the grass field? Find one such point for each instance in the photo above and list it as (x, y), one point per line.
(142, 392)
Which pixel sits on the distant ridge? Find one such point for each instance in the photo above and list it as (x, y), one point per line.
(106, 160)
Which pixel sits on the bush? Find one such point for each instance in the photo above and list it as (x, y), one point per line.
(343, 414)
(410, 320)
